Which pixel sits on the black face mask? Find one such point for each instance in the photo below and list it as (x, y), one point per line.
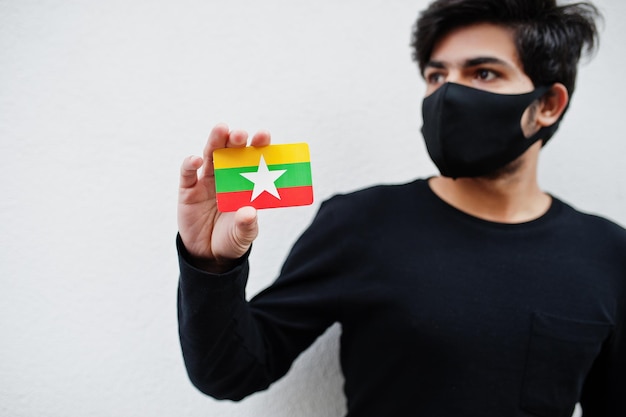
(470, 132)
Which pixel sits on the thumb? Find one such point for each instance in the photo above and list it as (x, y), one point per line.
(246, 227)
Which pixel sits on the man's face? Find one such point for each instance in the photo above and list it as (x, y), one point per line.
(481, 56)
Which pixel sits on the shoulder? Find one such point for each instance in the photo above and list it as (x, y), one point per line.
(378, 196)
(370, 210)
(590, 220)
(594, 228)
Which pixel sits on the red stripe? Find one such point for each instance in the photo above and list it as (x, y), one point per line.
(292, 196)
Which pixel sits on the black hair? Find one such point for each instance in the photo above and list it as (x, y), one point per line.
(550, 38)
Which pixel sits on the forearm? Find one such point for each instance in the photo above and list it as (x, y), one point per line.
(233, 347)
(220, 345)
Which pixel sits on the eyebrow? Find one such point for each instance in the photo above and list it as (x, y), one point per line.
(472, 62)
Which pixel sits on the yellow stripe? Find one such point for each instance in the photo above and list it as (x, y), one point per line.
(250, 156)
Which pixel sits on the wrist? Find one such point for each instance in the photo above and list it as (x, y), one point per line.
(213, 266)
(206, 264)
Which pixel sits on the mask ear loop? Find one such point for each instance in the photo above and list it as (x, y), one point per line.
(543, 132)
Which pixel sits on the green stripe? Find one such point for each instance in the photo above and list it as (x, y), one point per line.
(229, 179)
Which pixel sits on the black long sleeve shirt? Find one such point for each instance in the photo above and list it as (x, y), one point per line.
(442, 314)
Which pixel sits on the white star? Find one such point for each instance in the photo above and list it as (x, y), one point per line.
(263, 180)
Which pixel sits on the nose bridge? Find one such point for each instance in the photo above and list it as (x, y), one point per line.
(454, 76)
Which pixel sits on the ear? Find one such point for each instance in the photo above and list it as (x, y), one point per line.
(552, 105)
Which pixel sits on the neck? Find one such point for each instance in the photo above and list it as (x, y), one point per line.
(509, 197)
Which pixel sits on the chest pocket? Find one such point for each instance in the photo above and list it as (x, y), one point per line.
(560, 354)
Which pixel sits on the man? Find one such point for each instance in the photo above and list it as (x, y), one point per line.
(477, 293)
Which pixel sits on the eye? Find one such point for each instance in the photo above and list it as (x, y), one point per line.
(486, 74)
(434, 78)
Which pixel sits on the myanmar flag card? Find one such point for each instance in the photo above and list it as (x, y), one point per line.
(263, 177)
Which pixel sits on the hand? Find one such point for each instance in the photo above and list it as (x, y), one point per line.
(214, 238)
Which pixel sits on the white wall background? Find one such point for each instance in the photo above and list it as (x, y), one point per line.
(99, 104)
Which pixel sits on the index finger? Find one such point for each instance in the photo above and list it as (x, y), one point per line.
(221, 137)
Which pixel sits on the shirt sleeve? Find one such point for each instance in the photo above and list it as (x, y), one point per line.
(604, 390)
(232, 347)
